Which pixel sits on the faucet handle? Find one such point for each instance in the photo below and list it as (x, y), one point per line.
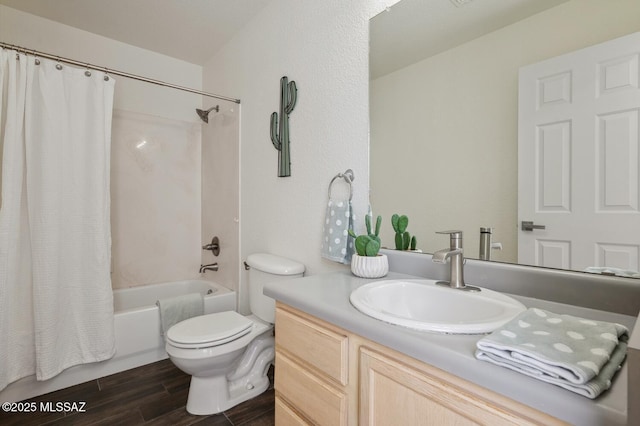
(455, 238)
(214, 246)
(458, 233)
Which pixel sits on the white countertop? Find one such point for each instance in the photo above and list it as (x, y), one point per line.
(326, 296)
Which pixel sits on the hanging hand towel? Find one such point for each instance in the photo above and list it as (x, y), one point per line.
(176, 309)
(337, 244)
(578, 354)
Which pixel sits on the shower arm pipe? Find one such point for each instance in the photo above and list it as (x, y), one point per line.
(111, 71)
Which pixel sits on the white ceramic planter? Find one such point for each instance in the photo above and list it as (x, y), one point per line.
(369, 266)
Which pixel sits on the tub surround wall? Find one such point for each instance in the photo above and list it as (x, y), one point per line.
(221, 192)
(155, 199)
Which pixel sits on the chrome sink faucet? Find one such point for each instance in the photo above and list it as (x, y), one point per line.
(456, 261)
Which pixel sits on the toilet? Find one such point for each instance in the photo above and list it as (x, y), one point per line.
(227, 354)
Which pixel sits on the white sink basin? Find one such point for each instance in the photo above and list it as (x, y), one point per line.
(421, 304)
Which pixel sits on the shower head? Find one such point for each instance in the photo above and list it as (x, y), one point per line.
(204, 115)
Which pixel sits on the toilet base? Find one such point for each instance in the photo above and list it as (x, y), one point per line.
(207, 397)
(214, 394)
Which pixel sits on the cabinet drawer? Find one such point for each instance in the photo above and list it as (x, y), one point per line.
(317, 400)
(313, 343)
(285, 416)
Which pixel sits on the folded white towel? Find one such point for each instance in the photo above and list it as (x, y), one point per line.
(176, 309)
(575, 353)
(337, 244)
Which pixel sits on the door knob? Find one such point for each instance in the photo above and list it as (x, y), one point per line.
(529, 226)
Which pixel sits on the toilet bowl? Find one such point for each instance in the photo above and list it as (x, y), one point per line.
(227, 354)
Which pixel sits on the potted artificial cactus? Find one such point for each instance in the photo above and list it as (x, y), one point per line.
(404, 241)
(367, 262)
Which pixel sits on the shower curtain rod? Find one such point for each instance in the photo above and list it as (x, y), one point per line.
(112, 71)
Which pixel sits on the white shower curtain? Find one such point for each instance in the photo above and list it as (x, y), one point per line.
(56, 303)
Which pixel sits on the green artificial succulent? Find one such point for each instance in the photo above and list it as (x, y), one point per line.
(404, 241)
(369, 244)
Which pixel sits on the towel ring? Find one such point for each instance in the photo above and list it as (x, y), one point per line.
(348, 177)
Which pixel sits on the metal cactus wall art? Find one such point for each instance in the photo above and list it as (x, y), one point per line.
(280, 140)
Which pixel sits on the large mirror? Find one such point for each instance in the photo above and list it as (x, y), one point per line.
(444, 107)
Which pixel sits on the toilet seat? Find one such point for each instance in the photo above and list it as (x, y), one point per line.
(209, 330)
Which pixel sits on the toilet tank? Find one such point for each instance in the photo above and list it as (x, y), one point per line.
(265, 268)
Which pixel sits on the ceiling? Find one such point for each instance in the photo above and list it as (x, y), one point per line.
(195, 30)
(413, 30)
(191, 30)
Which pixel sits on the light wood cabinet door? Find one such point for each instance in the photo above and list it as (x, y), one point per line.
(395, 391)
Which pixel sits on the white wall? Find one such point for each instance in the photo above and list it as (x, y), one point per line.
(323, 46)
(444, 130)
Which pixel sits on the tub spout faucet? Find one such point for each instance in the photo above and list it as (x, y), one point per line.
(209, 267)
(456, 262)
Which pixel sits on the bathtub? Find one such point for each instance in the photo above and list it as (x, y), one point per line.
(137, 332)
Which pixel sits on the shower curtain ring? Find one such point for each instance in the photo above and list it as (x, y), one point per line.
(35, 55)
(58, 66)
(106, 72)
(87, 72)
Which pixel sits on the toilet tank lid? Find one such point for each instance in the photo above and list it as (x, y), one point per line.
(276, 265)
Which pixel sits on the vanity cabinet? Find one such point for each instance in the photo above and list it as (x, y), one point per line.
(325, 375)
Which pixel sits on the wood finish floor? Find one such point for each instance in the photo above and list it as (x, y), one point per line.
(154, 394)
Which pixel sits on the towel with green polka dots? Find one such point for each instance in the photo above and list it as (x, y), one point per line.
(579, 354)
